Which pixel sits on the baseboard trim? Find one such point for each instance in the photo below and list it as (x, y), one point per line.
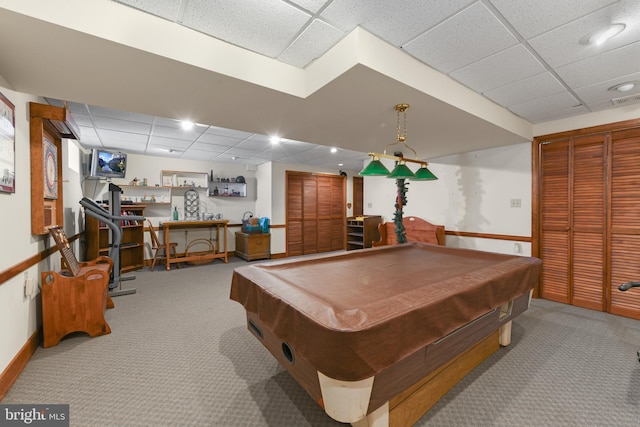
(13, 371)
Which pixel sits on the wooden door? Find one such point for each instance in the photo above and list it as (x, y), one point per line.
(574, 221)
(358, 196)
(555, 208)
(587, 223)
(625, 221)
(316, 213)
(294, 214)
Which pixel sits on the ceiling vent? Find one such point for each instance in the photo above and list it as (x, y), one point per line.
(627, 100)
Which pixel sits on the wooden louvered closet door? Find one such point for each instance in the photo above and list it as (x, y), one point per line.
(589, 218)
(316, 213)
(554, 245)
(625, 221)
(573, 221)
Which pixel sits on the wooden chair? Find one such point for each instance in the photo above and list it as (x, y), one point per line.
(75, 299)
(416, 230)
(156, 246)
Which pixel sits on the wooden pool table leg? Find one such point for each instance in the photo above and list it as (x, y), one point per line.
(345, 401)
(505, 334)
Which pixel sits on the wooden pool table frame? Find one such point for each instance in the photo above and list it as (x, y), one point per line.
(417, 383)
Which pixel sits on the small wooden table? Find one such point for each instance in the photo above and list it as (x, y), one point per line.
(167, 226)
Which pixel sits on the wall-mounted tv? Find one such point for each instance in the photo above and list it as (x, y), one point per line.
(108, 164)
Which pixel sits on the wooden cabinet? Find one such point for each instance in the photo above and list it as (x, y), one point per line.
(97, 237)
(253, 246)
(362, 231)
(48, 125)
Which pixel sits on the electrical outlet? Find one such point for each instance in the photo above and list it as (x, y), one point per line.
(516, 203)
(517, 248)
(369, 205)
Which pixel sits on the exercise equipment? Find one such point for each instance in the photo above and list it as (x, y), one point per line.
(112, 219)
(626, 287)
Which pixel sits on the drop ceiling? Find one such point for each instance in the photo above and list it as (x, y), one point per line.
(320, 74)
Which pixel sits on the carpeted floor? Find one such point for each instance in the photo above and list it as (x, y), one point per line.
(180, 355)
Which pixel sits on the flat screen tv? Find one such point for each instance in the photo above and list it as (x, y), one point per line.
(108, 164)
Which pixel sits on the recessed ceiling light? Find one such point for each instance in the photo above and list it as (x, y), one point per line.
(186, 125)
(334, 150)
(599, 37)
(623, 87)
(275, 139)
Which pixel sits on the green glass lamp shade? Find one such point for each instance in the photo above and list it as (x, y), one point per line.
(375, 168)
(401, 171)
(424, 174)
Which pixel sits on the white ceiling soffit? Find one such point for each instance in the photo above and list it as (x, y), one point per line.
(325, 72)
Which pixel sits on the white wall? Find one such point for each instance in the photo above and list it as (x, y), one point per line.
(473, 193)
(19, 315)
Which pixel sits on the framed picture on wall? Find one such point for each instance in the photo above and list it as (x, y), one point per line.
(7, 145)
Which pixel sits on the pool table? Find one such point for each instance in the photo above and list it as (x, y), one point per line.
(361, 331)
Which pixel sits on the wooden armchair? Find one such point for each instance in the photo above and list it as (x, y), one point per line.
(75, 299)
(157, 246)
(416, 230)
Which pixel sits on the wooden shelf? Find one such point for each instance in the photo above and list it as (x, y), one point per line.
(362, 231)
(131, 247)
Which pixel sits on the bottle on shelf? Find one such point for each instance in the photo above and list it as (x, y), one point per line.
(175, 213)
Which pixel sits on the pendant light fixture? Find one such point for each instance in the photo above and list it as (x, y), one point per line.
(401, 170)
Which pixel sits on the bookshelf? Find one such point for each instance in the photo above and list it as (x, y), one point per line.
(132, 246)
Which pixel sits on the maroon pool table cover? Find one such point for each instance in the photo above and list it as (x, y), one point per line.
(353, 314)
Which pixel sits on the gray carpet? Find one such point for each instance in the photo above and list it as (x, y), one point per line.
(180, 355)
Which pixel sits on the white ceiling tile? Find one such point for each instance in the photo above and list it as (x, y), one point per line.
(548, 107)
(82, 119)
(157, 141)
(254, 144)
(394, 21)
(178, 133)
(210, 148)
(167, 9)
(311, 44)
(508, 66)
(598, 93)
(525, 90)
(198, 155)
(561, 46)
(533, 17)
(117, 114)
(124, 146)
(116, 135)
(312, 6)
(241, 152)
(265, 26)
(467, 37)
(226, 141)
(108, 123)
(609, 65)
(238, 134)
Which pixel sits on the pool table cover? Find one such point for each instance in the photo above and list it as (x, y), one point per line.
(353, 314)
